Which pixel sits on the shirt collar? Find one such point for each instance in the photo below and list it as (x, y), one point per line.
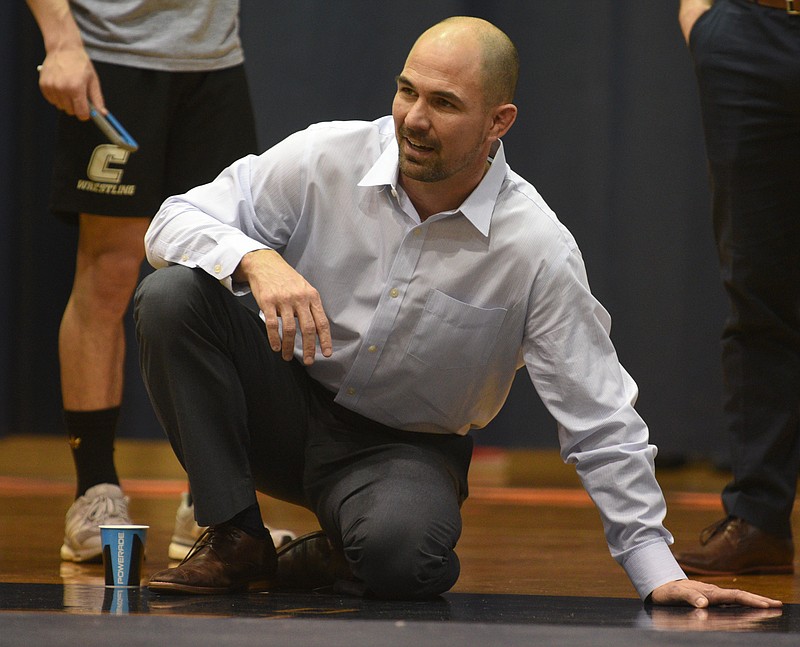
(479, 205)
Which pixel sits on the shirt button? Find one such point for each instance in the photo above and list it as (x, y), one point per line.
(416, 232)
(372, 348)
(185, 257)
(351, 391)
(217, 268)
(394, 292)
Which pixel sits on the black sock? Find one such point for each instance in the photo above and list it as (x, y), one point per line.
(250, 521)
(91, 437)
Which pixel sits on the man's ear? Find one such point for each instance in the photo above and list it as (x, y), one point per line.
(502, 120)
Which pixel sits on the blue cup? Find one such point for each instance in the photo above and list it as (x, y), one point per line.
(123, 553)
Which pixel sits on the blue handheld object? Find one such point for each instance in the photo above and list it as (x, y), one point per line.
(112, 129)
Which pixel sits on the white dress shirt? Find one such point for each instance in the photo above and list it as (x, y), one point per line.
(431, 320)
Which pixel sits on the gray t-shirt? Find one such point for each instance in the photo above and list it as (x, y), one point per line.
(170, 35)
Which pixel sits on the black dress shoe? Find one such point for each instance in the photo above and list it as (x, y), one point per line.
(310, 562)
(733, 546)
(224, 559)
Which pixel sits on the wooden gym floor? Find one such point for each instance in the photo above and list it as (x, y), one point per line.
(529, 530)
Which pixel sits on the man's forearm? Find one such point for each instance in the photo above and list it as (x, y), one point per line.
(695, 5)
(58, 28)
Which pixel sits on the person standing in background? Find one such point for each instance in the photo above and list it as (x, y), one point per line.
(747, 59)
(175, 79)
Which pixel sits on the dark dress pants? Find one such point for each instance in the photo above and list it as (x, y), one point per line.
(241, 419)
(747, 60)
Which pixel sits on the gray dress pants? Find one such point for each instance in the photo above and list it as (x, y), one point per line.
(241, 419)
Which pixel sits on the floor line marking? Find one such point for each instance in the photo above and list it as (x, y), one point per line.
(561, 497)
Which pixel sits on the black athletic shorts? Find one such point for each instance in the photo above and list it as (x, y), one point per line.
(189, 126)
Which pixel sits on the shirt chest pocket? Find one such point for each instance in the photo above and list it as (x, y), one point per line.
(452, 334)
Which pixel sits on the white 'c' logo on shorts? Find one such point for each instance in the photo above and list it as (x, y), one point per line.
(100, 169)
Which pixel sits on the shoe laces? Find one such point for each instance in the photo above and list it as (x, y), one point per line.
(104, 507)
(202, 541)
(206, 538)
(715, 528)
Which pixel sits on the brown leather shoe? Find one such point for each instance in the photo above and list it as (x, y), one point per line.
(223, 559)
(310, 562)
(733, 546)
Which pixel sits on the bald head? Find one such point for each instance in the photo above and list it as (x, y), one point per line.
(499, 60)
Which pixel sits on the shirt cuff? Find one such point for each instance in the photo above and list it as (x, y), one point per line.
(651, 566)
(226, 259)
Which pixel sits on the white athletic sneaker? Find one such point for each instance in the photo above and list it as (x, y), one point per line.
(187, 531)
(102, 504)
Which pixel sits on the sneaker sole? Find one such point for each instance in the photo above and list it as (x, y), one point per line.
(90, 557)
(177, 551)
